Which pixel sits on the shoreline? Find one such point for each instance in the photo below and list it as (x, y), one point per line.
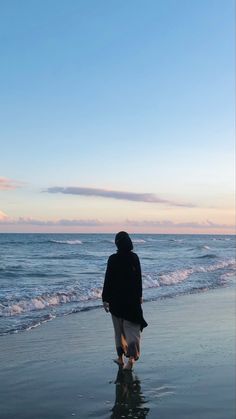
(64, 367)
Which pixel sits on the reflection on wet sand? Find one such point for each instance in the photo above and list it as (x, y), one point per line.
(129, 401)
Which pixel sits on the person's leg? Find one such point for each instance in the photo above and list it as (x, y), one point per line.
(120, 341)
(132, 334)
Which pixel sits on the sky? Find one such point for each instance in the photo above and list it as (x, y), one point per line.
(117, 115)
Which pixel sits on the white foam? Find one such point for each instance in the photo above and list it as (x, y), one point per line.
(15, 309)
(175, 277)
(227, 276)
(181, 275)
(230, 263)
(46, 301)
(150, 282)
(45, 320)
(138, 241)
(67, 241)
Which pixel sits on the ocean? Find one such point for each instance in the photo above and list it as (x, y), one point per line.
(43, 276)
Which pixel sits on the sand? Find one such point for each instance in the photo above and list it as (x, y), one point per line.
(64, 368)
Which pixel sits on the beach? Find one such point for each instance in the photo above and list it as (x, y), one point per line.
(65, 368)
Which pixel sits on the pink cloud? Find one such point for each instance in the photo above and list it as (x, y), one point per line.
(8, 184)
(3, 216)
(37, 222)
(168, 226)
(168, 223)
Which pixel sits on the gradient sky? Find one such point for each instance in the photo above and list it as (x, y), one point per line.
(117, 115)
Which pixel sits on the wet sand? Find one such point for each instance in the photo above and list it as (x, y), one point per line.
(64, 368)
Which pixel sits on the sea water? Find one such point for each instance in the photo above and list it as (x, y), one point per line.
(43, 276)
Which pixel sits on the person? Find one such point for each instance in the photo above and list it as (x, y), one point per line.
(122, 297)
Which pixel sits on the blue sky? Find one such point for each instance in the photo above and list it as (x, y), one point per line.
(129, 96)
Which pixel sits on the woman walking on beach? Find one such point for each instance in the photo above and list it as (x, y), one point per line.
(122, 297)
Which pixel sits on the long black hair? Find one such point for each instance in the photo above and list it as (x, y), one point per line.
(123, 242)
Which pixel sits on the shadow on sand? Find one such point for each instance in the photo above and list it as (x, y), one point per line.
(129, 401)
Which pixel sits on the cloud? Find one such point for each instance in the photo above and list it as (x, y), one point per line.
(75, 222)
(127, 196)
(8, 184)
(3, 216)
(167, 223)
(38, 222)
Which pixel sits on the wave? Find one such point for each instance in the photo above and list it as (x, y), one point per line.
(222, 238)
(33, 323)
(12, 268)
(98, 241)
(59, 257)
(228, 276)
(28, 325)
(81, 295)
(66, 241)
(113, 241)
(44, 301)
(207, 256)
(201, 247)
(180, 275)
(37, 323)
(28, 313)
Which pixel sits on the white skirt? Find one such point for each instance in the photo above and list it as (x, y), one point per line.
(127, 337)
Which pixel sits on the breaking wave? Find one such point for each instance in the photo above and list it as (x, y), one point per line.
(180, 275)
(47, 300)
(44, 301)
(66, 241)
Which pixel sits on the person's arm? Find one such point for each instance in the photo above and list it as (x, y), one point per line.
(107, 286)
(139, 280)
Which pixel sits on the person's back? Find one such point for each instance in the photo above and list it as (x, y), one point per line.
(125, 284)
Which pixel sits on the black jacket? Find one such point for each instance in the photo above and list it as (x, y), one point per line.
(123, 287)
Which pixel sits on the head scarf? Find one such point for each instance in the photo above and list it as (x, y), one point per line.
(123, 242)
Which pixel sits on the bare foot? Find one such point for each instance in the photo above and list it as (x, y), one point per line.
(129, 365)
(119, 361)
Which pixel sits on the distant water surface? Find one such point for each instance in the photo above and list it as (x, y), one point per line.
(47, 275)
